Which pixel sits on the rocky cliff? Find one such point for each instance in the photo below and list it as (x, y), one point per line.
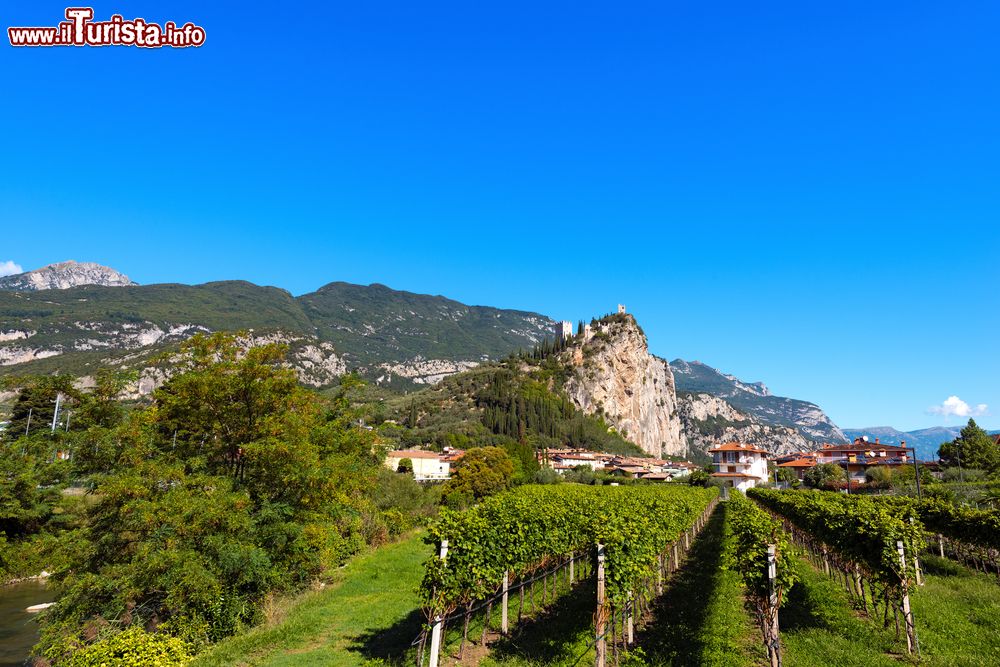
(708, 421)
(65, 275)
(612, 373)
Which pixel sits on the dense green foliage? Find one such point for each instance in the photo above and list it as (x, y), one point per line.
(234, 484)
(857, 528)
(965, 524)
(754, 530)
(974, 448)
(823, 474)
(133, 648)
(520, 531)
(481, 472)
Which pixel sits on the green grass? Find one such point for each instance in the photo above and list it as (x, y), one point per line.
(701, 618)
(370, 612)
(957, 614)
(820, 627)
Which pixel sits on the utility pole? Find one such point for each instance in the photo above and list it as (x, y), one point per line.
(55, 415)
(916, 469)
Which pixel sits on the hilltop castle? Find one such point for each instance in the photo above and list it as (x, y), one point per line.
(564, 329)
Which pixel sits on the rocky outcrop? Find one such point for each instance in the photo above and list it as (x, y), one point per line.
(709, 421)
(613, 374)
(65, 275)
(420, 371)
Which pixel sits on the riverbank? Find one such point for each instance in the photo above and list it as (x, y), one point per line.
(370, 611)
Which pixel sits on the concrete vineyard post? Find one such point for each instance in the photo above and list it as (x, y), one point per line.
(916, 563)
(630, 636)
(773, 644)
(436, 627)
(941, 545)
(600, 646)
(659, 574)
(503, 610)
(911, 631)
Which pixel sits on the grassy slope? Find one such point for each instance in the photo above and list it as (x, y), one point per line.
(819, 627)
(957, 613)
(371, 611)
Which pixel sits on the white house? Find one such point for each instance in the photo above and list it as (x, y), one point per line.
(740, 466)
(427, 466)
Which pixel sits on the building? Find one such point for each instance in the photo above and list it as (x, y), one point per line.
(799, 465)
(569, 459)
(621, 309)
(427, 466)
(863, 454)
(739, 466)
(564, 330)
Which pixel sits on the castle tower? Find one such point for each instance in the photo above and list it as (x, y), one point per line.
(621, 309)
(564, 330)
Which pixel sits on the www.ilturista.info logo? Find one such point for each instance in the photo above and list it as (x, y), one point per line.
(79, 29)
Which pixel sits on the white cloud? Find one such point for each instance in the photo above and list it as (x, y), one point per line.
(9, 268)
(953, 406)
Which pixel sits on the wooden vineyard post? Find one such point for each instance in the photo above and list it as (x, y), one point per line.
(773, 642)
(601, 617)
(687, 540)
(911, 630)
(436, 627)
(673, 562)
(571, 560)
(503, 610)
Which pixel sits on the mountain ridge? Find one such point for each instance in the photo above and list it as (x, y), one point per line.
(753, 398)
(65, 275)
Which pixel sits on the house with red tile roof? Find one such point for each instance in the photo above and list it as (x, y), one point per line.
(739, 465)
(863, 454)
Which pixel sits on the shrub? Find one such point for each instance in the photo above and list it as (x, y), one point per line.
(133, 648)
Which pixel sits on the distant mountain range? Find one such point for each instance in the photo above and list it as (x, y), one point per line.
(754, 398)
(75, 317)
(397, 338)
(63, 276)
(925, 440)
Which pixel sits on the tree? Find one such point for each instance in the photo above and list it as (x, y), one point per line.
(37, 401)
(973, 448)
(823, 474)
(481, 472)
(787, 475)
(405, 465)
(879, 476)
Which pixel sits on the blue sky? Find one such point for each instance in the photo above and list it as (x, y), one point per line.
(804, 195)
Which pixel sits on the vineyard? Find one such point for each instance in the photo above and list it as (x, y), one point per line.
(969, 535)
(571, 575)
(629, 537)
(869, 544)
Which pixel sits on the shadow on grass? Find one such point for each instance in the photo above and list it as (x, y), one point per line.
(675, 634)
(799, 610)
(391, 644)
(560, 635)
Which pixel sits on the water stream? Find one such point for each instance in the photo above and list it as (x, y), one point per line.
(18, 628)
